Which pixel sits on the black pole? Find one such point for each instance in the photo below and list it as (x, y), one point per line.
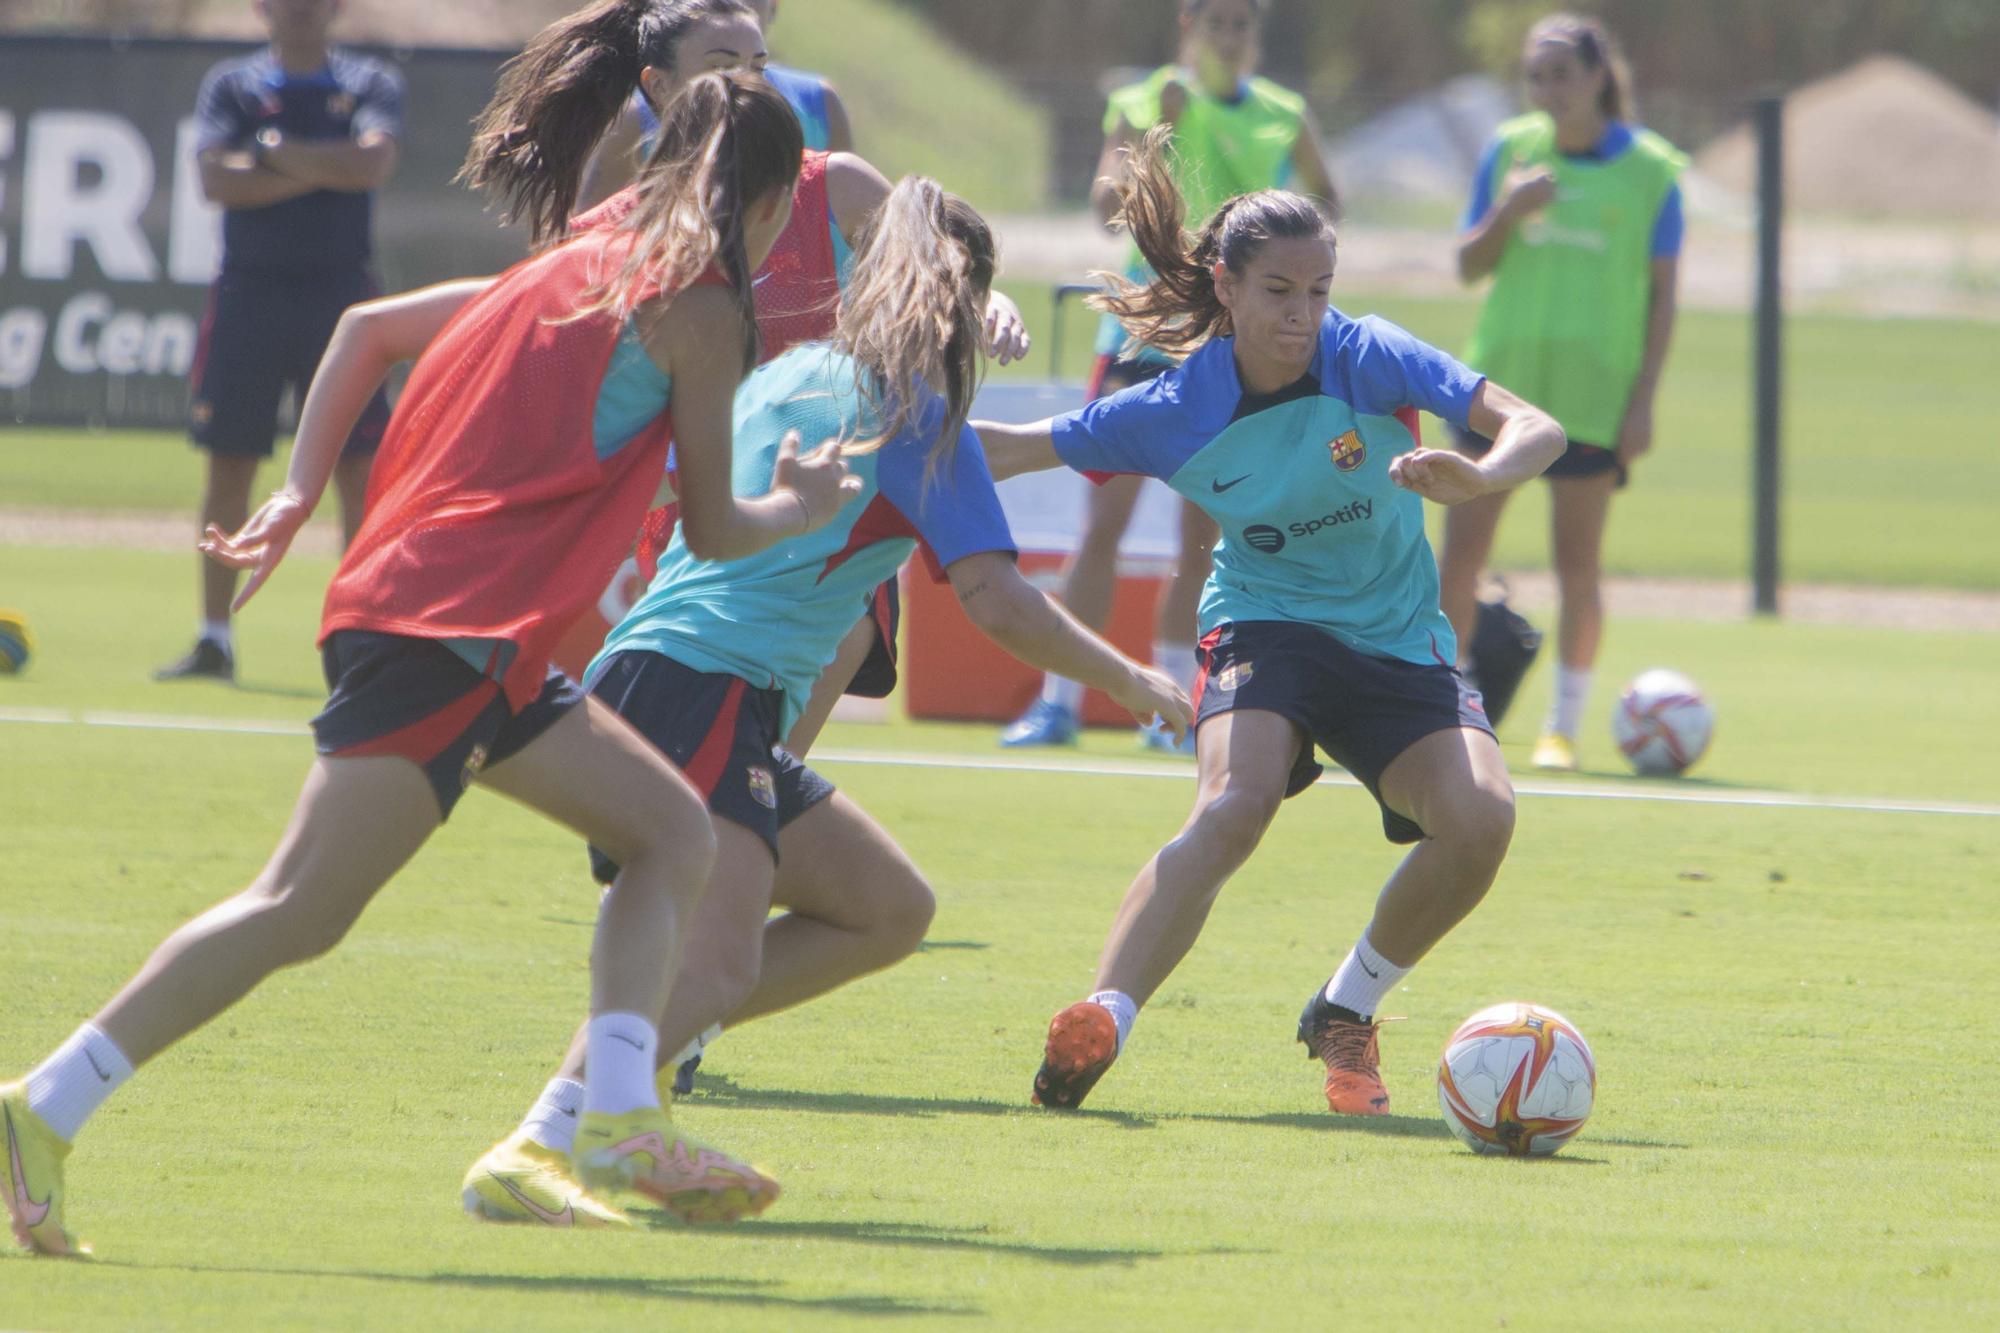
(1770, 122)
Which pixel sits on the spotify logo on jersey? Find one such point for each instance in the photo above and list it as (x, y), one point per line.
(1264, 538)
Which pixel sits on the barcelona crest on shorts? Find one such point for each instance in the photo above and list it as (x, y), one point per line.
(1348, 451)
(1233, 675)
(763, 788)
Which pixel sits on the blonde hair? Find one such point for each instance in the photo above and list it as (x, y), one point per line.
(914, 312)
(1179, 310)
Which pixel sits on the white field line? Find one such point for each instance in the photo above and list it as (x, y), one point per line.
(1581, 791)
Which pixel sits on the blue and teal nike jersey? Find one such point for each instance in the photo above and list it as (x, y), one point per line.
(776, 618)
(1313, 531)
(806, 92)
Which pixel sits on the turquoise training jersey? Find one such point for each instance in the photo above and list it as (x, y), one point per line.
(776, 618)
(1313, 531)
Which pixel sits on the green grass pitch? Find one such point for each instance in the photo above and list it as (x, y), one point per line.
(1787, 1006)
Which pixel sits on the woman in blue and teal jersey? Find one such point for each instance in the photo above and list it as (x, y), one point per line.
(1233, 133)
(1576, 216)
(717, 660)
(1290, 425)
(822, 115)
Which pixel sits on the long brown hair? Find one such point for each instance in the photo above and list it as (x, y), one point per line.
(727, 142)
(914, 311)
(1597, 49)
(1178, 310)
(555, 100)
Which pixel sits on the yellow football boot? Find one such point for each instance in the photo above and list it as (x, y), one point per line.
(642, 1151)
(34, 1178)
(518, 1180)
(1555, 754)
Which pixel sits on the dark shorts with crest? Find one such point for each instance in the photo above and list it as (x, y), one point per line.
(1362, 710)
(721, 732)
(416, 699)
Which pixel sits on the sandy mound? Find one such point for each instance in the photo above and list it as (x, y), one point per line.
(1885, 138)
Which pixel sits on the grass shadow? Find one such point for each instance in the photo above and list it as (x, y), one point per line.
(721, 1090)
(917, 1235)
(933, 946)
(752, 1292)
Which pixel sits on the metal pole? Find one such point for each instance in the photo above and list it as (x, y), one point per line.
(1765, 576)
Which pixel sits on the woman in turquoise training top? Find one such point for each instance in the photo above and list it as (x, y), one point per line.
(1233, 133)
(1576, 214)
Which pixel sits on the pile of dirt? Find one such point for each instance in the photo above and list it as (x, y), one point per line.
(1884, 138)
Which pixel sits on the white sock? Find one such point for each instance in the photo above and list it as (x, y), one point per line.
(1566, 710)
(217, 632)
(618, 1073)
(1365, 978)
(1123, 1009)
(65, 1088)
(1063, 693)
(1178, 661)
(551, 1121)
(695, 1047)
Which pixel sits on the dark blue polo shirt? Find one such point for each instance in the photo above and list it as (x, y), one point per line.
(327, 229)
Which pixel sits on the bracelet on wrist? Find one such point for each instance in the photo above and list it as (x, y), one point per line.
(805, 513)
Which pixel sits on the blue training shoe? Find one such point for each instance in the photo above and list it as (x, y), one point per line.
(1044, 723)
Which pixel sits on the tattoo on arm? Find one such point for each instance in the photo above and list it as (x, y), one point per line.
(973, 591)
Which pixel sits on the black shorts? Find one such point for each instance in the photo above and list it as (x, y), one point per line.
(721, 733)
(262, 333)
(392, 694)
(875, 678)
(1362, 710)
(1579, 460)
(1110, 373)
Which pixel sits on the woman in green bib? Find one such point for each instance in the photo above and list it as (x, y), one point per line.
(1234, 133)
(1576, 215)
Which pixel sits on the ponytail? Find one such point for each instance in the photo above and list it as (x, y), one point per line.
(914, 312)
(1179, 310)
(727, 142)
(555, 100)
(1597, 49)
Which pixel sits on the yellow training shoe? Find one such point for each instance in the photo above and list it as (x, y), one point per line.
(34, 1178)
(518, 1180)
(1555, 754)
(642, 1151)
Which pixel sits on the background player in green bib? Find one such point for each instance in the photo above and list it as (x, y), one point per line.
(1576, 214)
(1233, 133)
(1289, 423)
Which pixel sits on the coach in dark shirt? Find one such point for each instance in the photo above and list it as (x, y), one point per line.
(292, 142)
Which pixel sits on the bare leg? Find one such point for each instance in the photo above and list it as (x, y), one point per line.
(1577, 512)
(726, 940)
(1180, 600)
(1468, 541)
(1244, 759)
(225, 503)
(1454, 785)
(350, 478)
(832, 683)
(857, 904)
(593, 773)
(357, 822)
(1092, 575)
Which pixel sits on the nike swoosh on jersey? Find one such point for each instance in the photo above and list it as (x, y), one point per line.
(1219, 486)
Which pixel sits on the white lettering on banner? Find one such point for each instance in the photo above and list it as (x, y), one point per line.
(194, 235)
(6, 151)
(93, 335)
(60, 210)
(21, 332)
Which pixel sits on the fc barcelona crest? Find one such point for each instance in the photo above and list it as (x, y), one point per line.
(1348, 451)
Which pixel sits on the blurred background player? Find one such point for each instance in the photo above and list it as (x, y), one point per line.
(1576, 215)
(292, 142)
(716, 661)
(1233, 133)
(822, 117)
(1326, 634)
